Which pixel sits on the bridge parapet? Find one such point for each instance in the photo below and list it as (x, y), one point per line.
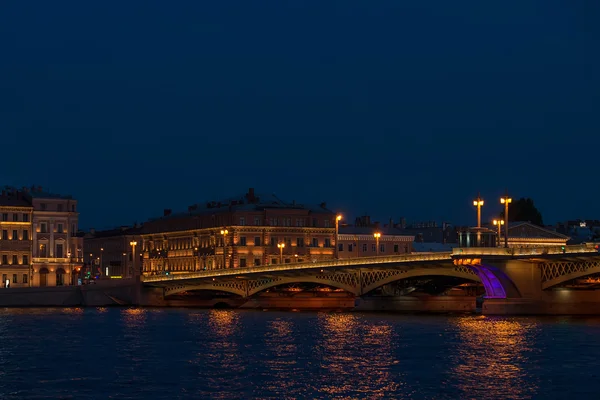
(349, 262)
(523, 251)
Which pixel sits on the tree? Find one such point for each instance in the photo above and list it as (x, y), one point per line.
(523, 210)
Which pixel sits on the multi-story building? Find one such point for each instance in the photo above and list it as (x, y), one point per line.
(57, 251)
(370, 241)
(110, 252)
(249, 230)
(15, 239)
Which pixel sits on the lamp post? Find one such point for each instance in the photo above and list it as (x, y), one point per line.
(478, 202)
(338, 218)
(506, 200)
(499, 223)
(224, 232)
(377, 235)
(101, 264)
(71, 268)
(133, 244)
(280, 246)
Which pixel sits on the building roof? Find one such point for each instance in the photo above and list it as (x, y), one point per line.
(248, 202)
(13, 201)
(121, 231)
(370, 230)
(529, 230)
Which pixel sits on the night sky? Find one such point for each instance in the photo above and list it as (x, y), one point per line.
(394, 108)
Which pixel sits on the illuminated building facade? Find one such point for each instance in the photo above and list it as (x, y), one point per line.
(370, 242)
(250, 230)
(57, 251)
(109, 253)
(15, 239)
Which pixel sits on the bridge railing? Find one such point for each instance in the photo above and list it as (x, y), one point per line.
(523, 251)
(441, 256)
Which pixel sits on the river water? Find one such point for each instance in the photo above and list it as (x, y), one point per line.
(222, 354)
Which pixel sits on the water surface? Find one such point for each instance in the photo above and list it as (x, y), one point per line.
(223, 354)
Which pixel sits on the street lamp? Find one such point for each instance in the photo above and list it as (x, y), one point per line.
(506, 200)
(280, 246)
(338, 218)
(71, 268)
(478, 202)
(133, 244)
(224, 232)
(101, 264)
(377, 235)
(499, 223)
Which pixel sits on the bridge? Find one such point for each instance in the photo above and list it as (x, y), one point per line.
(515, 280)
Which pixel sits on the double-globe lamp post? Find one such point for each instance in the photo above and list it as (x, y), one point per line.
(280, 246)
(506, 200)
(224, 232)
(499, 223)
(338, 218)
(377, 235)
(478, 202)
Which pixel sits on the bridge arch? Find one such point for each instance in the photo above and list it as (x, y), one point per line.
(372, 280)
(344, 281)
(496, 283)
(554, 274)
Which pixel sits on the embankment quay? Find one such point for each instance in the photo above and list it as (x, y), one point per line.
(514, 281)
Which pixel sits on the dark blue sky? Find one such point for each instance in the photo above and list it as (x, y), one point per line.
(397, 108)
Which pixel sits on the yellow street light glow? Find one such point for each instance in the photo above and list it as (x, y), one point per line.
(338, 218)
(281, 245)
(377, 235)
(505, 200)
(498, 222)
(224, 231)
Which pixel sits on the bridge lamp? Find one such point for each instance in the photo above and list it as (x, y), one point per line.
(338, 218)
(506, 200)
(281, 246)
(478, 202)
(224, 232)
(133, 244)
(377, 235)
(498, 223)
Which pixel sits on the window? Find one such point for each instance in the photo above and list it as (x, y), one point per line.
(273, 240)
(314, 222)
(273, 261)
(350, 247)
(256, 221)
(43, 227)
(43, 206)
(327, 243)
(15, 235)
(315, 242)
(15, 278)
(341, 247)
(60, 228)
(257, 241)
(288, 222)
(242, 221)
(4, 259)
(24, 278)
(15, 259)
(257, 262)
(242, 262)
(382, 248)
(326, 223)
(395, 248)
(373, 248)
(4, 216)
(25, 217)
(364, 247)
(242, 240)
(273, 222)
(59, 207)
(299, 222)
(15, 217)
(25, 261)
(4, 234)
(300, 242)
(59, 251)
(43, 250)
(73, 208)
(73, 230)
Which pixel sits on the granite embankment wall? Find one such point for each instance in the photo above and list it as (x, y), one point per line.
(103, 293)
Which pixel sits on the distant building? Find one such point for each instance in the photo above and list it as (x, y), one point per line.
(248, 230)
(42, 227)
(360, 241)
(109, 253)
(15, 239)
(520, 234)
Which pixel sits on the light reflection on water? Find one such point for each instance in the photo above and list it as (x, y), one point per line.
(491, 358)
(221, 354)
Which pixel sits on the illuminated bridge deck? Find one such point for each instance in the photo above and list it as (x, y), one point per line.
(363, 262)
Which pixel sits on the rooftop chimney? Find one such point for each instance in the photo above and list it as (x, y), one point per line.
(250, 195)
